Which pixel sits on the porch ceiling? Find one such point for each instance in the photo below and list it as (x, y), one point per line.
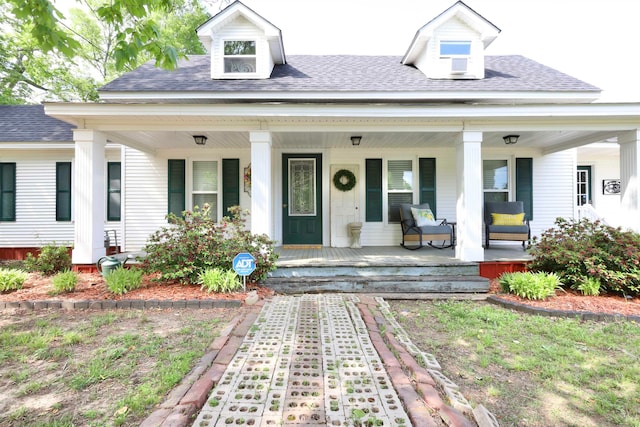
(546, 141)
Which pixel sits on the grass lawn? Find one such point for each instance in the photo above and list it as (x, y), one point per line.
(531, 370)
(97, 368)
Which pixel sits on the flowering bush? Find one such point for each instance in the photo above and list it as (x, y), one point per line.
(194, 243)
(578, 251)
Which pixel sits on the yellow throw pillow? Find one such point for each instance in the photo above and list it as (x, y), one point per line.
(507, 219)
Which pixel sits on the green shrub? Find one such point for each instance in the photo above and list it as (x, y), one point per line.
(122, 280)
(219, 280)
(195, 243)
(577, 250)
(64, 282)
(51, 260)
(11, 280)
(530, 285)
(589, 286)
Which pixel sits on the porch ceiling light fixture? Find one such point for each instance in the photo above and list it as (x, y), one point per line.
(355, 140)
(200, 139)
(510, 139)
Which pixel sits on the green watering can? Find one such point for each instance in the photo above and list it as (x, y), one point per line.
(108, 264)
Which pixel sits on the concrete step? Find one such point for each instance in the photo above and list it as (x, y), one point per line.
(379, 284)
(366, 270)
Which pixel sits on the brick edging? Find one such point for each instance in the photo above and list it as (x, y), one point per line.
(118, 304)
(582, 315)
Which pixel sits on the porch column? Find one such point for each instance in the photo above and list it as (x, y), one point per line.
(261, 184)
(88, 196)
(469, 197)
(630, 178)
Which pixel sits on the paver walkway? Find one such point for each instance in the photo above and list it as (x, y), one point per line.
(307, 360)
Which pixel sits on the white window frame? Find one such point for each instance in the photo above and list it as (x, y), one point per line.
(225, 57)
(218, 191)
(510, 176)
(385, 184)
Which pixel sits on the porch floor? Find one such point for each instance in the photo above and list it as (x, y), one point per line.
(389, 255)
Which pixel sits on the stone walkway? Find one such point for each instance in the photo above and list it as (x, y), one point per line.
(324, 360)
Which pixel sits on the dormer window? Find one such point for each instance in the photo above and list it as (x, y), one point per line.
(240, 56)
(459, 52)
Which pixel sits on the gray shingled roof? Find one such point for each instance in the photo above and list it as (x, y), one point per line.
(338, 73)
(28, 123)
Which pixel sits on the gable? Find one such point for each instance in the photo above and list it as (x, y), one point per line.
(241, 44)
(430, 50)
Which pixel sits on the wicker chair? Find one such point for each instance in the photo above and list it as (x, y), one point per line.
(414, 237)
(509, 212)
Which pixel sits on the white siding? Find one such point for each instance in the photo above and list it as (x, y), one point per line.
(603, 167)
(36, 223)
(553, 189)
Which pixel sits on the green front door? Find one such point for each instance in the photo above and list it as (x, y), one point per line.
(302, 199)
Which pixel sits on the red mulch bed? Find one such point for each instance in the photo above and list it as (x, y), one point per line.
(91, 286)
(574, 301)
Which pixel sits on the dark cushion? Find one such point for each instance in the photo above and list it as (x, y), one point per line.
(524, 229)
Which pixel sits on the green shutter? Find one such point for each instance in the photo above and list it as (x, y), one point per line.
(524, 184)
(114, 194)
(177, 189)
(373, 171)
(230, 184)
(427, 175)
(7, 191)
(63, 191)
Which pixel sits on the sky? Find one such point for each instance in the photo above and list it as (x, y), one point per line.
(593, 40)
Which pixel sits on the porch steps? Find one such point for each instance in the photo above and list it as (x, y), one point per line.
(379, 278)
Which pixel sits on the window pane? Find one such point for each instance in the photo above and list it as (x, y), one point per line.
(239, 47)
(212, 199)
(240, 65)
(205, 176)
(400, 175)
(395, 199)
(302, 187)
(455, 48)
(114, 176)
(500, 196)
(495, 175)
(113, 213)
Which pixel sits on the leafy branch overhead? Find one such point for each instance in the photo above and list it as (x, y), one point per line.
(138, 30)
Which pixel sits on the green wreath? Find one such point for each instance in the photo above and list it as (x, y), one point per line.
(344, 180)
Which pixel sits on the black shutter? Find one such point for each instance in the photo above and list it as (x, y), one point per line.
(7, 191)
(230, 184)
(524, 184)
(177, 190)
(427, 175)
(63, 191)
(114, 193)
(373, 171)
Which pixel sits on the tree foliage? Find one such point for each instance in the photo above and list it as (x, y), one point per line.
(69, 57)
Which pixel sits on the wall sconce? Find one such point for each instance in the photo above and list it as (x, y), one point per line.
(200, 139)
(355, 140)
(510, 139)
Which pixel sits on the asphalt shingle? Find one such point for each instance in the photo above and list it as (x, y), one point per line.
(341, 73)
(28, 123)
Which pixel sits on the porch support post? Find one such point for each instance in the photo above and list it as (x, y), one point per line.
(261, 183)
(88, 196)
(469, 197)
(630, 178)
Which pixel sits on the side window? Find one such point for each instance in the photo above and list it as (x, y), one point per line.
(495, 180)
(399, 186)
(114, 193)
(7, 191)
(63, 191)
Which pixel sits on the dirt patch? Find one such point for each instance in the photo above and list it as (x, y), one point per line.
(86, 367)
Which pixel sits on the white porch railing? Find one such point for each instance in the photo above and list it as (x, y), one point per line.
(589, 212)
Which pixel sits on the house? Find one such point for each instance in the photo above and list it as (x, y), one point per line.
(246, 124)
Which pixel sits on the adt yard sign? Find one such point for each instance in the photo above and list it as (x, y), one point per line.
(243, 265)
